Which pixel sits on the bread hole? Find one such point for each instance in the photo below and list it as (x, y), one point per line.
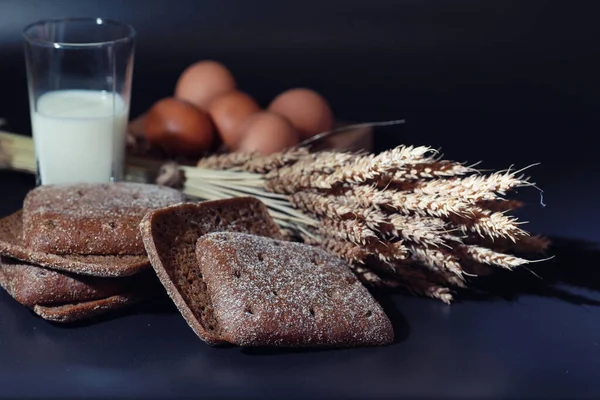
(261, 257)
(275, 293)
(369, 314)
(80, 193)
(277, 244)
(312, 311)
(237, 273)
(112, 224)
(211, 328)
(42, 273)
(329, 293)
(50, 224)
(248, 310)
(315, 260)
(218, 220)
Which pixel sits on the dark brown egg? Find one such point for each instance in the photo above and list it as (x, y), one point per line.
(307, 110)
(179, 127)
(203, 81)
(228, 112)
(267, 133)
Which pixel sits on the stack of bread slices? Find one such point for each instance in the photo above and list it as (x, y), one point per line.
(74, 251)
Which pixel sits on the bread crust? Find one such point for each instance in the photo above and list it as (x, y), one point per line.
(11, 245)
(85, 310)
(30, 284)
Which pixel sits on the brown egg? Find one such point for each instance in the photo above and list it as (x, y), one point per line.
(179, 127)
(228, 112)
(307, 110)
(203, 81)
(267, 133)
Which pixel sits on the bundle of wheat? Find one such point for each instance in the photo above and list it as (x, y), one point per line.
(404, 217)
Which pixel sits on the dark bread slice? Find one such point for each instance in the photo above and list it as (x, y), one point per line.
(91, 219)
(170, 235)
(85, 310)
(268, 292)
(11, 245)
(30, 284)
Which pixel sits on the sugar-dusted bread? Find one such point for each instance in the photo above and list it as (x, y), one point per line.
(30, 284)
(91, 219)
(170, 235)
(11, 245)
(267, 292)
(85, 310)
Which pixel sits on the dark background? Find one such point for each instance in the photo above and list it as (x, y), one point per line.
(503, 81)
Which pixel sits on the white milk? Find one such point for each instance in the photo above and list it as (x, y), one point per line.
(79, 136)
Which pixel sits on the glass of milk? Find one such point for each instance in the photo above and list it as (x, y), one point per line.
(79, 73)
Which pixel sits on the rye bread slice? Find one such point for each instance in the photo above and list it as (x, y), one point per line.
(30, 284)
(85, 310)
(11, 245)
(267, 292)
(91, 219)
(170, 235)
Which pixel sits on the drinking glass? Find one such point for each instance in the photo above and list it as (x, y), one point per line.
(79, 73)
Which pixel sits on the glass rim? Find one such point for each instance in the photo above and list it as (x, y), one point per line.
(129, 36)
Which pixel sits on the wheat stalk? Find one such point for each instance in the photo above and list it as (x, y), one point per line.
(17, 152)
(429, 170)
(486, 256)
(491, 224)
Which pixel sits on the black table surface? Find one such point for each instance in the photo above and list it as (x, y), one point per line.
(516, 337)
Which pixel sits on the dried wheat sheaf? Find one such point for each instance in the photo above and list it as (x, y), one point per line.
(404, 217)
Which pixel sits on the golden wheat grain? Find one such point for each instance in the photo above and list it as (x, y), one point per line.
(431, 170)
(372, 279)
(419, 230)
(490, 224)
(436, 258)
(350, 252)
(370, 167)
(490, 257)
(349, 230)
(321, 205)
(473, 188)
(405, 202)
